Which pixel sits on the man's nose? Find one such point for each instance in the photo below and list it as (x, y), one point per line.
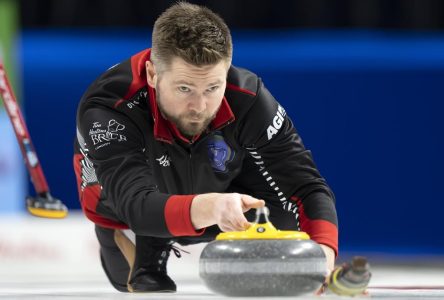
(198, 104)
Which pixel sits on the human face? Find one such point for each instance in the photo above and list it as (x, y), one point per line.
(189, 95)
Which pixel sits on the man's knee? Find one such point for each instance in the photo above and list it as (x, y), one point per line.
(114, 263)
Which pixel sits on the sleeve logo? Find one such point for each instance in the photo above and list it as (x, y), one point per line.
(278, 120)
(102, 136)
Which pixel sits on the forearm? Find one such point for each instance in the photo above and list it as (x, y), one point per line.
(317, 217)
(151, 213)
(201, 211)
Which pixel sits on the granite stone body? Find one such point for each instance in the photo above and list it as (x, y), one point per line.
(263, 267)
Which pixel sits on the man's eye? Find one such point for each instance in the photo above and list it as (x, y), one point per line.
(184, 89)
(213, 88)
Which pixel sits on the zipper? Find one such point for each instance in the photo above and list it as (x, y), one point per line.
(190, 168)
(190, 160)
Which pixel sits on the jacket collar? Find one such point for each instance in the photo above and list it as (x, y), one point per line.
(165, 130)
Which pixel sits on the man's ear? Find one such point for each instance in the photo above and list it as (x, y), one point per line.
(151, 75)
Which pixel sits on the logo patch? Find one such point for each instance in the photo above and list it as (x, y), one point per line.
(164, 160)
(278, 120)
(102, 137)
(219, 153)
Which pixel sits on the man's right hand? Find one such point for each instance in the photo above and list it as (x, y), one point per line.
(225, 210)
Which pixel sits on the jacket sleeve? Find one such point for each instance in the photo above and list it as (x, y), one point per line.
(115, 146)
(286, 169)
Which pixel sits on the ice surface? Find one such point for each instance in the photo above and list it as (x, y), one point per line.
(58, 259)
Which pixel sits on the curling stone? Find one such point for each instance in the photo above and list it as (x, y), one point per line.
(350, 279)
(263, 261)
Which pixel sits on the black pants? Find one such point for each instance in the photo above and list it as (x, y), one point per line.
(114, 263)
(117, 269)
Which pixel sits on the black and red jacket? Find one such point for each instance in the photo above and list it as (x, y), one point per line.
(135, 170)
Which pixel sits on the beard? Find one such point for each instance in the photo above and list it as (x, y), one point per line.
(190, 123)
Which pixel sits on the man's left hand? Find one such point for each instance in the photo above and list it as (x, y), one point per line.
(330, 255)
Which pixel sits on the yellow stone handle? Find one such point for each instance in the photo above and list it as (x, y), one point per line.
(262, 229)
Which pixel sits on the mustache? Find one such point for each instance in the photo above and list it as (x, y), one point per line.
(193, 114)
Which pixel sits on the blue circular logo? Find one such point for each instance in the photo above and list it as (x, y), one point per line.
(219, 153)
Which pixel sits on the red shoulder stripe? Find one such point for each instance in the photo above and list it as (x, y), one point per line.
(138, 74)
(233, 87)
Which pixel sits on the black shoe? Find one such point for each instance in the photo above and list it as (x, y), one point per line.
(149, 272)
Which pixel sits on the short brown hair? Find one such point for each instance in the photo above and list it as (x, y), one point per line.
(193, 33)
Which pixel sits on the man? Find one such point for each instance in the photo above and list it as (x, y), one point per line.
(176, 144)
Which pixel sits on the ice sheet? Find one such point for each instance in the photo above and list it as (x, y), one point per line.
(58, 259)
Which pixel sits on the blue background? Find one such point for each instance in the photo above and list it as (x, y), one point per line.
(368, 104)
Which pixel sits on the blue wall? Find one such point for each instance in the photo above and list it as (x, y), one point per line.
(368, 104)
